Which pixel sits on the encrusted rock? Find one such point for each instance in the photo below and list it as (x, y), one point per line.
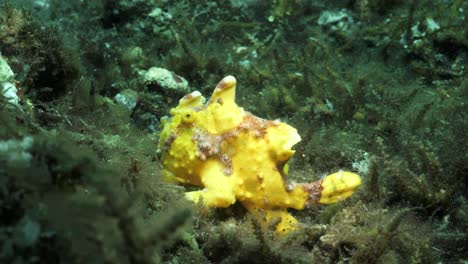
(7, 88)
(161, 78)
(127, 98)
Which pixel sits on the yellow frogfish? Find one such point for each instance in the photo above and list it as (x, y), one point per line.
(236, 156)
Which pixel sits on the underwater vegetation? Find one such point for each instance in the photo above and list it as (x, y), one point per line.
(378, 88)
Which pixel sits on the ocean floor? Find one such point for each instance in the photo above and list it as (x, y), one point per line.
(379, 88)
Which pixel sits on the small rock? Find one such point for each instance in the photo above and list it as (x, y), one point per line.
(166, 80)
(127, 98)
(6, 74)
(432, 25)
(16, 151)
(41, 4)
(160, 15)
(7, 88)
(9, 91)
(336, 21)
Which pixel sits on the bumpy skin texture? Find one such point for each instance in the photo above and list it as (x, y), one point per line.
(235, 155)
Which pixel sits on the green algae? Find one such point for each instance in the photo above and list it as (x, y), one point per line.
(383, 93)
